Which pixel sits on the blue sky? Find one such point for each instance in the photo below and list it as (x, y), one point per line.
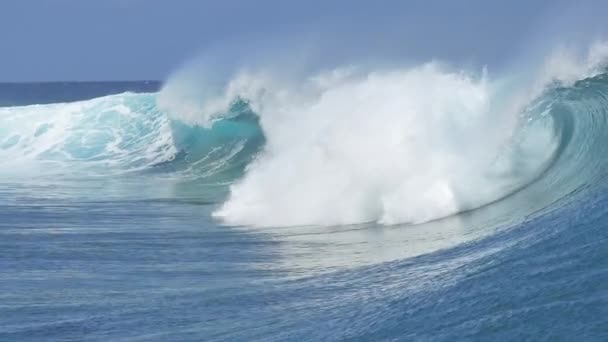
(45, 40)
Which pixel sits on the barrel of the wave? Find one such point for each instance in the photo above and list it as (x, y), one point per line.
(220, 151)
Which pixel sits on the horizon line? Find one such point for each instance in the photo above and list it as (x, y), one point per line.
(83, 81)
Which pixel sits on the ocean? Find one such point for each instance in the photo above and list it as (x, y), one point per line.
(416, 204)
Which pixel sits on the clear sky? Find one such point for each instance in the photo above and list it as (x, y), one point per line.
(45, 40)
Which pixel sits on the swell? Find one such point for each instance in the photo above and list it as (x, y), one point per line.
(579, 117)
(581, 113)
(554, 151)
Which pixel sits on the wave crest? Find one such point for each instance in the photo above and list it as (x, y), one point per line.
(390, 147)
(350, 145)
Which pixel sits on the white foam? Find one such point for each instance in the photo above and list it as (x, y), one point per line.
(404, 145)
(567, 64)
(104, 135)
(391, 146)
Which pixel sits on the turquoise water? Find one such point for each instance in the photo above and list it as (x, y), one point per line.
(109, 231)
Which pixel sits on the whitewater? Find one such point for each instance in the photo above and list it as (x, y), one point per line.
(421, 202)
(340, 147)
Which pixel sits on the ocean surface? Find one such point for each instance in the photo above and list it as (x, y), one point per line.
(401, 205)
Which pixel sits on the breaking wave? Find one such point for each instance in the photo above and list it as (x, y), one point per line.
(348, 145)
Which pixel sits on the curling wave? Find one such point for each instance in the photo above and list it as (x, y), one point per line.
(341, 147)
(121, 134)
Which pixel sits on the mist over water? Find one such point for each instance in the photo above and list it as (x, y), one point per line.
(387, 145)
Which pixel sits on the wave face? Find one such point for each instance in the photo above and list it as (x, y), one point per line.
(349, 146)
(121, 134)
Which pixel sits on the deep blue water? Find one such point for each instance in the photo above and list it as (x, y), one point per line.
(111, 239)
(19, 94)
